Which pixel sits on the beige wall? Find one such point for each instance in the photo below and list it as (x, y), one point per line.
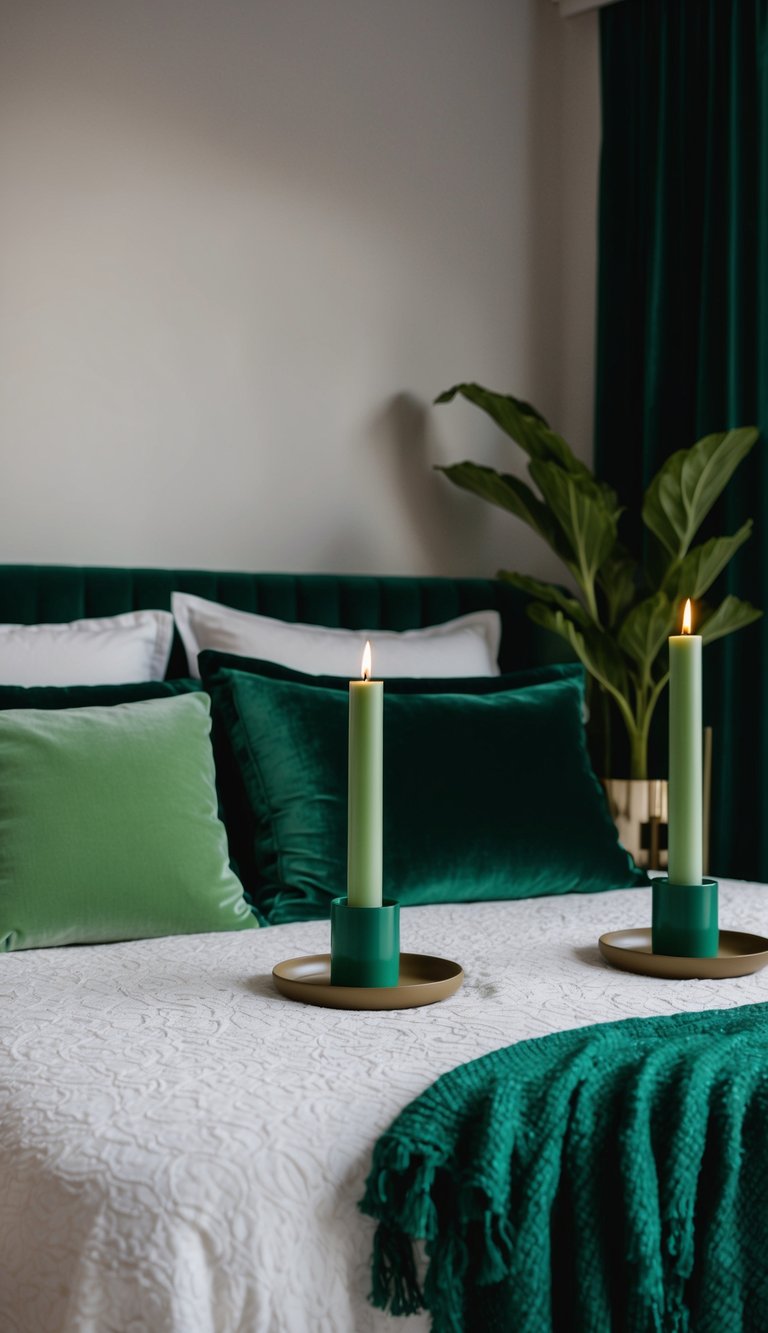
(244, 244)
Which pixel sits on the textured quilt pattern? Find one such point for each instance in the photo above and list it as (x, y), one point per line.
(182, 1150)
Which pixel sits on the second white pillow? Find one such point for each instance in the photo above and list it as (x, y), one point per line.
(467, 646)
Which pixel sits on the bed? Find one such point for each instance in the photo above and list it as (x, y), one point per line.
(181, 1149)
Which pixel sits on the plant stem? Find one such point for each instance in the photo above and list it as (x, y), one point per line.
(607, 748)
(588, 589)
(638, 741)
(649, 710)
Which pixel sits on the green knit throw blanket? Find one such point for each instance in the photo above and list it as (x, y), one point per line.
(609, 1178)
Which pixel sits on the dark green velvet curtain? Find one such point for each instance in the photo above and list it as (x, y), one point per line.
(683, 324)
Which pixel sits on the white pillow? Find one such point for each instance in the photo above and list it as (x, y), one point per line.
(467, 646)
(115, 650)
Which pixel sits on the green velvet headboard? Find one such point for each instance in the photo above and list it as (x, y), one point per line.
(31, 594)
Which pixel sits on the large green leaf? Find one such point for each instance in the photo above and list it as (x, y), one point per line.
(597, 652)
(730, 615)
(508, 493)
(587, 522)
(522, 422)
(688, 484)
(645, 631)
(495, 404)
(698, 570)
(547, 592)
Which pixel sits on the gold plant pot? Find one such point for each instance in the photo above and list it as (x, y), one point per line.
(639, 809)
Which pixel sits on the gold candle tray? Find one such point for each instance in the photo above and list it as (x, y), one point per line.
(423, 980)
(738, 954)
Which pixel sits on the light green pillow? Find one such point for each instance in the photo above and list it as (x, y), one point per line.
(109, 827)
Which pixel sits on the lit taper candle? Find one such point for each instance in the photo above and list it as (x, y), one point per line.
(364, 837)
(685, 745)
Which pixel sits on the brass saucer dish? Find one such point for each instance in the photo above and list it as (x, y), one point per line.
(738, 954)
(423, 980)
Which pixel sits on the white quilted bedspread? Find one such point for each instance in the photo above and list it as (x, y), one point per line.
(182, 1150)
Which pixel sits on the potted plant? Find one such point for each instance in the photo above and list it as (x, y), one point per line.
(624, 608)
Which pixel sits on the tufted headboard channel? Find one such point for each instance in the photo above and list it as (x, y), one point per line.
(31, 594)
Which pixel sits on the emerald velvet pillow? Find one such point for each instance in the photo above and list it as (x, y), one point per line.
(109, 827)
(236, 803)
(210, 662)
(84, 696)
(485, 795)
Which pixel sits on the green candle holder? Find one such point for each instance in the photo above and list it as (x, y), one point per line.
(685, 919)
(365, 944)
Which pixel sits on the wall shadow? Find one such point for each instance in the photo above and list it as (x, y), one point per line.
(445, 524)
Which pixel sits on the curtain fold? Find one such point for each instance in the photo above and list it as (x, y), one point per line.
(682, 346)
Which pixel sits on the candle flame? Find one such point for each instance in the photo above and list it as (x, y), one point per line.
(365, 670)
(687, 617)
